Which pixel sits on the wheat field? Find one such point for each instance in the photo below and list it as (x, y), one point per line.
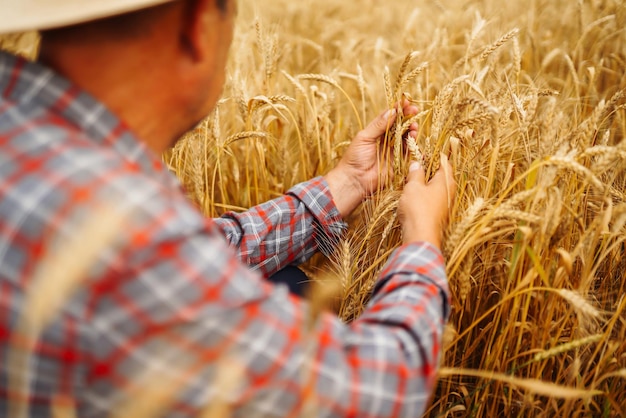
(528, 98)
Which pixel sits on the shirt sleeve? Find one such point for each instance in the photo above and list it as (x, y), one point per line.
(287, 230)
(180, 319)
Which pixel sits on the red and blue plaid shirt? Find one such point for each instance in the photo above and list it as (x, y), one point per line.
(174, 312)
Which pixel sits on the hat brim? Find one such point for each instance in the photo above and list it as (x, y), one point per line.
(26, 15)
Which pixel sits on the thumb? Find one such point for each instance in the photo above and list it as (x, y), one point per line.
(416, 173)
(379, 125)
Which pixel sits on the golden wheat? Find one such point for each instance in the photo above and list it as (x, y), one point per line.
(534, 123)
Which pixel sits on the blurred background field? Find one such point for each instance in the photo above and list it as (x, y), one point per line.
(527, 98)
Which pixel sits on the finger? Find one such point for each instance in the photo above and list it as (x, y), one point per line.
(444, 173)
(416, 173)
(409, 109)
(447, 167)
(407, 105)
(379, 125)
(413, 130)
(448, 177)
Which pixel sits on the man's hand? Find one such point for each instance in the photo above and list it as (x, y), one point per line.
(423, 207)
(360, 170)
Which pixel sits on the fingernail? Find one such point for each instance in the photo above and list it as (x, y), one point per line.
(415, 166)
(390, 114)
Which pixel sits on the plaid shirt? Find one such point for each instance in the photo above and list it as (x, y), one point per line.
(172, 313)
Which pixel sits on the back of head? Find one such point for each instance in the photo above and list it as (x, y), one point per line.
(27, 15)
(122, 27)
(159, 66)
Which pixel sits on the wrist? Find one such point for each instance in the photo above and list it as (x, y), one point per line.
(345, 189)
(430, 235)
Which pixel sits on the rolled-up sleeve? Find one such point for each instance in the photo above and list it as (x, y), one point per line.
(286, 230)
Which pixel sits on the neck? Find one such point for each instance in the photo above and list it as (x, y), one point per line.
(127, 80)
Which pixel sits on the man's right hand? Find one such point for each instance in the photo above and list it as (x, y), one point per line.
(423, 208)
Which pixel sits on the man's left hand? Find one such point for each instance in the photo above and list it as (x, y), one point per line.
(361, 169)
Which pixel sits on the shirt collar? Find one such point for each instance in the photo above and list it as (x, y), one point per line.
(32, 84)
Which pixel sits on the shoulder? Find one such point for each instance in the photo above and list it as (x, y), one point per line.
(53, 169)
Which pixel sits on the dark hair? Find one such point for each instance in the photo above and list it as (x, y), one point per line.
(122, 26)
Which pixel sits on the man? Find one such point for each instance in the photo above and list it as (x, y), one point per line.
(173, 297)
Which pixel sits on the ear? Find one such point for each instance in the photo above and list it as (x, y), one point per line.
(198, 30)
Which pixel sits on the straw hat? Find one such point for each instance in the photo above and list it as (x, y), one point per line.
(23, 15)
